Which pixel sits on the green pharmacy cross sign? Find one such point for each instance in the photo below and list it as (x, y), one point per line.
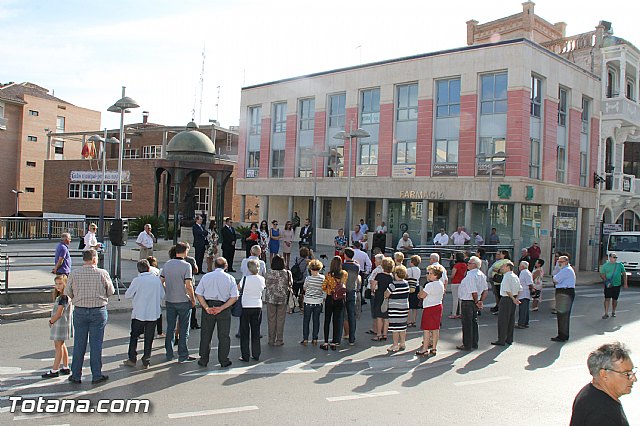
(504, 191)
(528, 193)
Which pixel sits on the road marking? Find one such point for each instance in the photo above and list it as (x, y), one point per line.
(481, 381)
(15, 379)
(212, 412)
(577, 316)
(284, 367)
(10, 370)
(5, 409)
(36, 395)
(55, 381)
(51, 359)
(622, 310)
(460, 328)
(361, 396)
(33, 417)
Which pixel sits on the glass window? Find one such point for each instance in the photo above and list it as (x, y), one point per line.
(1, 109)
(491, 146)
(407, 104)
(127, 193)
(448, 98)
(255, 123)
(493, 99)
(335, 163)
(280, 117)
(534, 159)
(202, 198)
(531, 223)
(130, 153)
(630, 92)
(32, 138)
(562, 107)
(586, 106)
(34, 113)
(305, 161)
(536, 96)
(60, 124)
(253, 160)
(370, 112)
(446, 151)
(406, 152)
(583, 168)
(74, 190)
(561, 164)
(307, 114)
(31, 163)
(152, 151)
(337, 110)
(368, 153)
(277, 163)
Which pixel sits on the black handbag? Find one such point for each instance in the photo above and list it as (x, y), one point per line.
(236, 310)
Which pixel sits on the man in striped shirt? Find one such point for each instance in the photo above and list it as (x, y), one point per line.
(89, 289)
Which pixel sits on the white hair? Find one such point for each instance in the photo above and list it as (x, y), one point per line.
(476, 261)
(435, 257)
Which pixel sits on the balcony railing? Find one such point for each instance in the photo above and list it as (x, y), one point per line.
(569, 44)
(622, 183)
(621, 108)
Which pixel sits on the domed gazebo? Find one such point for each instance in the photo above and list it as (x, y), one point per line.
(189, 154)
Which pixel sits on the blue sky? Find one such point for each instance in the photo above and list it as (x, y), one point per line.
(87, 50)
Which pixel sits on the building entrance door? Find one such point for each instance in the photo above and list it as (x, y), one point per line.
(405, 216)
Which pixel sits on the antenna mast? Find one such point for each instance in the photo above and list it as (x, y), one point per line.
(201, 83)
(218, 103)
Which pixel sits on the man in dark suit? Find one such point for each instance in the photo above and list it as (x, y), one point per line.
(228, 235)
(199, 242)
(306, 234)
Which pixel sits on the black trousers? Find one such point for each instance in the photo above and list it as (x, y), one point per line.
(159, 324)
(496, 293)
(250, 331)
(194, 319)
(147, 328)
(209, 323)
(200, 256)
(470, 334)
(564, 303)
(506, 320)
(333, 312)
(228, 252)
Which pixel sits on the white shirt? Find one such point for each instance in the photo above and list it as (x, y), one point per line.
(479, 240)
(459, 238)
(526, 279)
(364, 228)
(244, 269)
(362, 259)
(510, 283)
(474, 282)
(372, 277)
(217, 285)
(404, 244)
(441, 239)
(145, 239)
(381, 229)
(147, 291)
(90, 241)
(154, 270)
(252, 293)
(435, 293)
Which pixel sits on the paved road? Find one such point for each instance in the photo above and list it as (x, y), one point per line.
(359, 384)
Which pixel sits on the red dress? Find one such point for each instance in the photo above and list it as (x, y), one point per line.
(460, 269)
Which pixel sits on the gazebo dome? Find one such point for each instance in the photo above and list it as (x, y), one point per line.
(191, 145)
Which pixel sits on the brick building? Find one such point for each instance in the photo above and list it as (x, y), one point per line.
(440, 126)
(27, 114)
(73, 187)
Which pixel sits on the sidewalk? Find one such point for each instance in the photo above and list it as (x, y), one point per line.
(43, 310)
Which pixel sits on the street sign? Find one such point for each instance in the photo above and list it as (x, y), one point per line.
(608, 228)
(566, 223)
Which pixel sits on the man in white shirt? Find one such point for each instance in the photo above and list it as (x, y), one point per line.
(381, 229)
(90, 240)
(509, 289)
(434, 259)
(255, 254)
(469, 293)
(145, 242)
(460, 238)
(526, 282)
(477, 239)
(146, 291)
(405, 243)
(441, 239)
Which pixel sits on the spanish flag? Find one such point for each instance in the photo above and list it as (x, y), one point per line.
(89, 150)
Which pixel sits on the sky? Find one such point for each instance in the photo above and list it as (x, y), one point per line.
(85, 51)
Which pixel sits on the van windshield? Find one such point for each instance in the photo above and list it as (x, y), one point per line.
(624, 243)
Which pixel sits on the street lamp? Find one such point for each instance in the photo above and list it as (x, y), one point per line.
(121, 107)
(351, 135)
(103, 150)
(500, 156)
(17, 192)
(314, 219)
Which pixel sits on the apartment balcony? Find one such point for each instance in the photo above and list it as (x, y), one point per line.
(622, 185)
(621, 108)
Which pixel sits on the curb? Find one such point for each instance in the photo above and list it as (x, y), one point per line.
(26, 315)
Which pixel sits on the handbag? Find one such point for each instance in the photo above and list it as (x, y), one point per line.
(291, 300)
(236, 310)
(385, 306)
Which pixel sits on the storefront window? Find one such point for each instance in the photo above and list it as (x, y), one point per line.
(530, 224)
(501, 219)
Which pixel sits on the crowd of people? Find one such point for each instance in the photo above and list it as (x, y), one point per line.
(401, 297)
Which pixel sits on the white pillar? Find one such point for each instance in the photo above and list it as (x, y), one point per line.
(318, 214)
(453, 217)
(289, 208)
(623, 74)
(516, 232)
(264, 208)
(385, 212)
(577, 260)
(424, 223)
(468, 209)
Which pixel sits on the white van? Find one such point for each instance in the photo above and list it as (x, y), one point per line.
(627, 246)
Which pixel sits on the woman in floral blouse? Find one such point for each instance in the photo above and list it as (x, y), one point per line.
(278, 285)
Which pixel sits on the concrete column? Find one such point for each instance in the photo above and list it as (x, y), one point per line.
(212, 205)
(264, 208)
(318, 213)
(517, 221)
(548, 211)
(577, 260)
(623, 74)
(385, 212)
(290, 207)
(424, 223)
(243, 208)
(468, 209)
(163, 152)
(453, 217)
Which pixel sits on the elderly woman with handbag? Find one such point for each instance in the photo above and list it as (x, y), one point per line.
(279, 283)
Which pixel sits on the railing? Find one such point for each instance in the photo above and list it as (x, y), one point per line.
(621, 182)
(448, 251)
(37, 228)
(569, 44)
